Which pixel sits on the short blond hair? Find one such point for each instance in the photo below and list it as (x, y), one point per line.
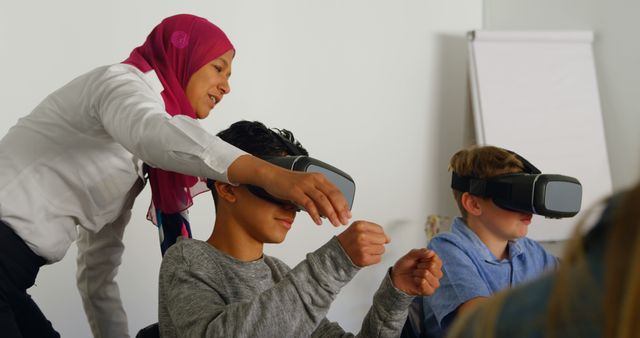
(482, 162)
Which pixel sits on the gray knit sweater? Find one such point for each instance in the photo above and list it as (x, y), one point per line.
(206, 293)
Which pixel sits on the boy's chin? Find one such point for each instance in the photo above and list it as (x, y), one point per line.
(276, 240)
(521, 233)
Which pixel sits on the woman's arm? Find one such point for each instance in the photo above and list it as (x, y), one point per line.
(133, 115)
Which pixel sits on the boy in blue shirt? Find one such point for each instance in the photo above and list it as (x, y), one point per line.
(486, 250)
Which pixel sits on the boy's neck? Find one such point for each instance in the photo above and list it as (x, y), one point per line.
(498, 246)
(231, 239)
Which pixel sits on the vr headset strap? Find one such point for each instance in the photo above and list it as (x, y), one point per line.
(480, 187)
(489, 187)
(459, 183)
(294, 151)
(528, 167)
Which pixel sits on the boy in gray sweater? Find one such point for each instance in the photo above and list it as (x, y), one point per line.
(227, 287)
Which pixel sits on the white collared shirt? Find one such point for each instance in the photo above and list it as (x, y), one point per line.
(77, 159)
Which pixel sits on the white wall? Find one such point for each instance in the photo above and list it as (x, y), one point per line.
(616, 53)
(377, 88)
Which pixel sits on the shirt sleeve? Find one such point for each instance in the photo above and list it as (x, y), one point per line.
(522, 312)
(461, 281)
(99, 256)
(294, 307)
(384, 319)
(133, 114)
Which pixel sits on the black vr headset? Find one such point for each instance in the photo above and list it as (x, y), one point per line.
(552, 196)
(302, 163)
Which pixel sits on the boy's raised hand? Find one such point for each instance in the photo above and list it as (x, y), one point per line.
(364, 242)
(418, 272)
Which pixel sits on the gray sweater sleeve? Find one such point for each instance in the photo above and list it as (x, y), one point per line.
(294, 307)
(384, 319)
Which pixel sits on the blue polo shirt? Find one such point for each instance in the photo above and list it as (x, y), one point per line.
(470, 270)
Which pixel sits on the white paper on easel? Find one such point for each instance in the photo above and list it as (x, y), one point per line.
(536, 93)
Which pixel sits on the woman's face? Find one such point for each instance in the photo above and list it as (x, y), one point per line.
(209, 84)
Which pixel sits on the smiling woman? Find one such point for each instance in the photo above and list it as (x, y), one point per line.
(85, 153)
(192, 59)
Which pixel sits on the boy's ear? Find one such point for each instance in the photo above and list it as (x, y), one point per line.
(470, 204)
(225, 191)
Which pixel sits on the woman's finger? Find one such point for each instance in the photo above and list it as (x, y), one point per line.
(310, 208)
(325, 207)
(338, 204)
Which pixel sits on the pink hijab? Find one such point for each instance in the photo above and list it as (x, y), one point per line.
(176, 48)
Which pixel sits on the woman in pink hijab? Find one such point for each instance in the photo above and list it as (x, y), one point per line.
(72, 168)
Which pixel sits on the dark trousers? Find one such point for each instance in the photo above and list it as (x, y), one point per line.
(19, 314)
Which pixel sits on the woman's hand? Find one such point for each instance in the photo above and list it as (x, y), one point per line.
(312, 191)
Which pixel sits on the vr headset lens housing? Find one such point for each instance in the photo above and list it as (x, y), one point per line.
(561, 196)
(339, 178)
